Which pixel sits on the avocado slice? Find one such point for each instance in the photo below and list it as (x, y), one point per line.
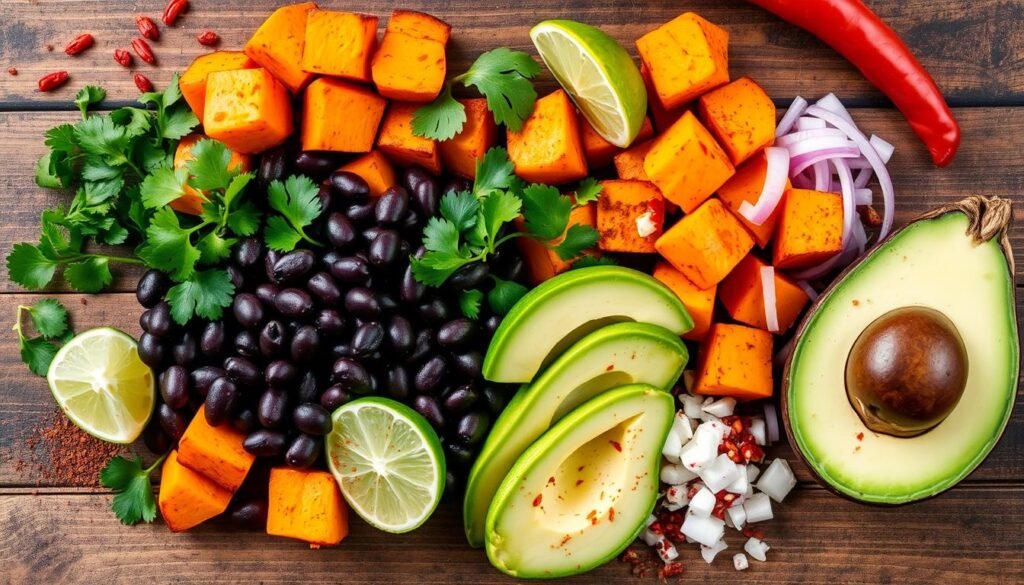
(956, 261)
(582, 493)
(563, 309)
(623, 353)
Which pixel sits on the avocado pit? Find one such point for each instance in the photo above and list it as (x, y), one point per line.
(906, 371)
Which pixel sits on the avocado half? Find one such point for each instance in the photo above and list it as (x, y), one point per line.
(955, 260)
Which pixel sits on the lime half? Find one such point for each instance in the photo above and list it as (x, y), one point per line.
(101, 384)
(599, 75)
(388, 461)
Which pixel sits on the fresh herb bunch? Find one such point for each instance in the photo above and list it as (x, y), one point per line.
(297, 202)
(502, 76)
(50, 320)
(133, 494)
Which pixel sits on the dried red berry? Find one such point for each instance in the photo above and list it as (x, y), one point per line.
(143, 83)
(142, 49)
(173, 11)
(79, 44)
(12, 70)
(208, 38)
(53, 80)
(123, 57)
(48, 47)
(147, 27)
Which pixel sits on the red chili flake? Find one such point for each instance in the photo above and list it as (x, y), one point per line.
(616, 445)
(692, 491)
(610, 367)
(123, 57)
(53, 80)
(48, 47)
(565, 540)
(611, 514)
(208, 38)
(657, 209)
(143, 83)
(551, 480)
(672, 569)
(860, 436)
(750, 532)
(142, 49)
(147, 27)
(173, 11)
(579, 481)
(12, 70)
(537, 500)
(79, 44)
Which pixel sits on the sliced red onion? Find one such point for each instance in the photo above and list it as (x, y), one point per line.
(812, 144)
(798, 163)
(822, 176)
(775, 179)
(883, 148)
(832, 104)
(860, 237)
(863, 176)
(771, 315)
(807, 123)
(802, 181)
(808, 289)
(771, 420)
(802, 135)
(796, 109)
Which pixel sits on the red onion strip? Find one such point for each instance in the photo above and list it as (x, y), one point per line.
(771, 310)
(808, 289)
(774, 185)
(771, 422)
(796, 109)
(822, 176)
(831, 103)
(806, 123)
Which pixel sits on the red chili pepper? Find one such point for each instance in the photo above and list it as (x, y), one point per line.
(147, 27)
(143, 83)
(53, 80)
(857, 33)
(123, 57)
(173, 11)
(208, 38)
(142, 49)
(79, 44)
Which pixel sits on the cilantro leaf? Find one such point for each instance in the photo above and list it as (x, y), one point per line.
(209, 167)
(90, 275)
(177, 124)
(588, 191)
(100, 136)
(168, 247)
(37, 353)
(162, 186)
(441, 119)
(88, 96)
(498, 208)
(494, 171)
(577, 239)
(62, 138)
(588, 261)
(49, 317)
(213, 248)
(298, 203)
(546, 211)
(236, 187)
(28, 267)
(205, 294)
(461, 209)
(441, 235)
(504, 295)
(133, 494)
(136, 121)
(469, 303)
(435, 267)
(503, 77)
(244, 219)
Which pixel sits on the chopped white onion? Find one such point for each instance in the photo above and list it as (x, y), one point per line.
(645, 225)
(651, 538)
(757, 549)
(739, 485)
(676, 495)
(719, 474)
(752, 472)
(757, 429)
(682, 427)
(758, 508)
(706, 416)
(714, 429)
(807, 123)
(831, 103)
(740, 562)
(721, 407)
(777, 480)
(702, 503)
(675, 474)
(737, 515)
(796, 109)
(706, 531)
(771, 419)
(776, 175)
(699, 452)
(651, 519)
(710, 552)
(667, 551)
(673, 445)
(771, 315)
(691, 404)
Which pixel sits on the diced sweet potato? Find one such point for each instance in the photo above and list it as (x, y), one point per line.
(810, 229)
(248, 110)
(736, 361)
(410, 64)
(662, 117)
(340, 116)
(706, 245)
(548, 148)
(687, 164)
(376, 170)
(402, 146)
(339, 44)
(743, 296)
(419, 25)
(192, 200)
(700, 303)
(188, 498)
(685, 57)
(629, 164)
(741, 117)
(746, 185)
(193, 81)
(542, 262)
(278, 43)
(215, 452)
(306, 505)
(598, 151)
(479, 134)
(623, 209)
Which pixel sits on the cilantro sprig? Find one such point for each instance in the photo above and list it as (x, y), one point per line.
(297, 202)
(502, 76)
(133, 493)
(50, 320)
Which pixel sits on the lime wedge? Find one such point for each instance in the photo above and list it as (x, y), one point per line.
(101, 384)
(388, 461)
(598, 74)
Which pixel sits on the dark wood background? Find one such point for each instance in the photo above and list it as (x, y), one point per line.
(51, 533)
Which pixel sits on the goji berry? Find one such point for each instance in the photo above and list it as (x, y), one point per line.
(142, 49)
(53, 80)
(79, 44)
(147, 27)
(208, 38)
(173, 11)
(123, 57)
(143, 83)
(12, 70)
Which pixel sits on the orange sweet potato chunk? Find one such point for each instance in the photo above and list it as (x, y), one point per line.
(741, 117)
(420, 26)
(410, 64)
(188, 498)
(662, 116)
(479, 134)
(684, 57)
(624, 208)
(700, 303)
(746, 185)
(192, 200)
(548, 148)
(629, 164)
(340, 116)
(402, 146)
(706, 245)
(810, 228)
(278, 44)
(687, 164)
(542, 262)
(598, 151)
(743, 296)
(339, 44)
(375, 169)
(215, 452)
(736, 361)
(248, 110)
(306, 505)
(193, 81)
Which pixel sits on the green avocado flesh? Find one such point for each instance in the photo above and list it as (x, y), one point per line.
(565, 308)
(582, 493)
(624, 353)
(931, 263)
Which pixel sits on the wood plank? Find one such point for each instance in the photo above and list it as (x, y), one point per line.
(816, 538)
(972, 48)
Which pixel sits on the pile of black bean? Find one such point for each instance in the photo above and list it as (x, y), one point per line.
(312, 329)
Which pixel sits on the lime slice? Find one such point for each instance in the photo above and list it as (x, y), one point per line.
(388, 461)
(598, 74)
(101, 384)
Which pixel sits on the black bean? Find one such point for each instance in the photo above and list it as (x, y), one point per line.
(392, 205)
(413, 176)
(303, 451)
(155, 438)
(496, 398)
(514, 269)
(248, 310)
(151, 351)
(435, 312)
(458, 454)
(144, 320)
(340, 231)
(202, 378)
(294, 302)
(312, 419)
(329, 257)
(351, 270)
(468, 364)
(251, 515)
(184, 352)
(429, 408)
(456, 334)
(383, 249)
(334, 397)
(317, 164)
(272, 407)
(248, 252)
(330, 322)
(246, 421)
(171, 421)
(468, 276)
(361, 214)
(309, 388)
(410, 290)
(323, 287)
(266, 292)
(243, 372)
(293, 266)
(368, 338)
(351, 375)
(411, 225)
(472, 428)
(400, 335)
(342, 350)
(269, 261)
(426, 197)
(404, 250)
(457, 185)
(237, 276)
(362, 303)
(247, 344)
(220, 401)
(273, 165)
(280, 374)
(305, 345)
(387, 300)
(160, 322)
(398, 386)
(151, 288)
(326, 195)
(350, 186)
(273, 339)
(461, 399)
(174, 383)
(422, 347)
(265, 443)
(370, 233)
(491, 324)
(431, 374)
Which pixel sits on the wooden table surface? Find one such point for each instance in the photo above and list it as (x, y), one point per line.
(53, 533)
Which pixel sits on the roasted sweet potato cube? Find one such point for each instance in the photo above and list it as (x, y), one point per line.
(706, 245)
(187, 498)
(746, 185)
(630, 216)
(306, 504)
(661, 116)
(376, 170)
(743, 296)
(810, 229)
(598, 151)
(192, 82)
(192, 200)
(548, 148)
(687, 164)
(340, 44)
(340, 116)
(736, 361)
(629, 164)
(478, 135)
(700, 303)
(247, 109)
(741, 117)
(410, 64)
(419, 25)
(685, 57)
(278, 43)
(541, 261)
(402, 146)
(215, 452)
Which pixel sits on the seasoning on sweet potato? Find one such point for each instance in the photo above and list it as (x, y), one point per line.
(419, 25)
(215, 452)
(306, 504)
(743, 297)
(410, 64)
(687, 164)
(706, 245)
(630, 216)
(278, 43)
(340, 116)
(810, 228)
(542, 262)
(700, 303)
(741, 117)
(478, 135)
(598, 151)
(746, 185)
(375, 169)
(188, 498)
(736, 361)
(248, 110)
(685, 57)
(548, 148)
(193, 81)
(339, 44)
(662, 116)
(629, 164)
(192, 200)
(402, 146)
